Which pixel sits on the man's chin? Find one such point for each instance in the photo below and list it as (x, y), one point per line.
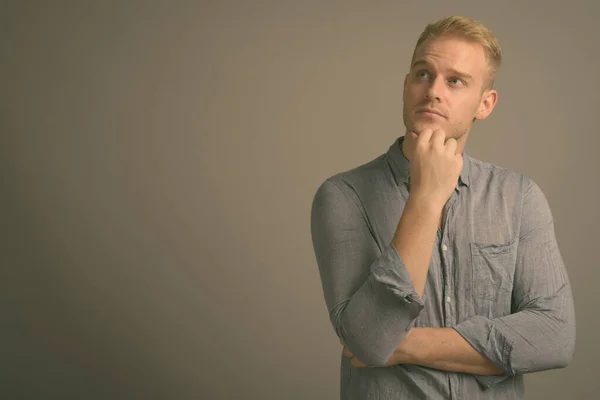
(421, 126)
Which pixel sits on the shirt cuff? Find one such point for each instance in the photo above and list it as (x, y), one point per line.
(479, 333)
(390, 271)
(487, 381)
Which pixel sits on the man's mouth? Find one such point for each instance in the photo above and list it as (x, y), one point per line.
(431, 113)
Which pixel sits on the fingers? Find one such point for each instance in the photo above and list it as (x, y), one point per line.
(451, 145)
(437, 138)
(347, 352)
(355, 362)
(413, 136)
(425, 136)
(434, 137)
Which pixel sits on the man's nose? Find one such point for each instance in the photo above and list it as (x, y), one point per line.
(435, 89)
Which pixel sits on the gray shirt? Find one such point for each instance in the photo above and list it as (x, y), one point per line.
(496, 276)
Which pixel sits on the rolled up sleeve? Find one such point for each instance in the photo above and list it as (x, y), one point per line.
(540, 333)
(370, 297)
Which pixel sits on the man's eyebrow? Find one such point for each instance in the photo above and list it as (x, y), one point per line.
(463, 75)
(419, 62)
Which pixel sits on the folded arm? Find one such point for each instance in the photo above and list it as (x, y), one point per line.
(538, 335)
(369, 291)
(439, 348)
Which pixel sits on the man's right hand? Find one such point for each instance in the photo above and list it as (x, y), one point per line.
(434, 171)
(434, 166)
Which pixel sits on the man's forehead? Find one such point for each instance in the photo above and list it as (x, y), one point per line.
(457, 51)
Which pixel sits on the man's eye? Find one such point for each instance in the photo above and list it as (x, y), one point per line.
(455, 81)
(422, 74)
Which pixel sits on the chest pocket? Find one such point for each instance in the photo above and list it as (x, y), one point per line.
(492, 272)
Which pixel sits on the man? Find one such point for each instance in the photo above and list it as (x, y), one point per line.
(441, 273)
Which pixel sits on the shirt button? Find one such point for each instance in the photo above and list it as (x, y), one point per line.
(448, 299)
(444, 247)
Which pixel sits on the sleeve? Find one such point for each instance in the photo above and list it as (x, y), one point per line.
(370, 297)
(540, 334)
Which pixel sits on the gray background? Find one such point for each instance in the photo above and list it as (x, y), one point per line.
(158, 161)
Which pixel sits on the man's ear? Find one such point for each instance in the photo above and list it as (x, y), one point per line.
(488, 101)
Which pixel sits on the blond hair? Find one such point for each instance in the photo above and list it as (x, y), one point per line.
(469, 29)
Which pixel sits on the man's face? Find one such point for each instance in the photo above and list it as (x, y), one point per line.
(447, 77)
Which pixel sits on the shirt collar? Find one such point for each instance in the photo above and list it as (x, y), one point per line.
(400, 164)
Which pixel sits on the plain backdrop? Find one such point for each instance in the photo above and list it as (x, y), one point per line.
(158, 161)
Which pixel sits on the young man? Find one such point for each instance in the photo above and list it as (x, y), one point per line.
(441, 273)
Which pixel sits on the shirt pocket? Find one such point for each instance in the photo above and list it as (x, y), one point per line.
(492, 272)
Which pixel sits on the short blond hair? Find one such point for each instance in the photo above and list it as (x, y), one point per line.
(469, 29)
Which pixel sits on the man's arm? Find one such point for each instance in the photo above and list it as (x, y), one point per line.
(540, 335)
(370, 293)
(439, 348)
(434, 171)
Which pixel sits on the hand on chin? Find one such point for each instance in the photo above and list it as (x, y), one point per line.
(419, 127)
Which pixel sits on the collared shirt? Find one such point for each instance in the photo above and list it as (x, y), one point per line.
(496, 276)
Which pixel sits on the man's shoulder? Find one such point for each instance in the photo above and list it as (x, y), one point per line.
(365, 174)
(482, 172)
(494, 181)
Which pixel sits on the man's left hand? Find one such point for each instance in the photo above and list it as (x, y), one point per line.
(355, 361)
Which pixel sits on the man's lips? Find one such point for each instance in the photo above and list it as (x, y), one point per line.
(431, 113)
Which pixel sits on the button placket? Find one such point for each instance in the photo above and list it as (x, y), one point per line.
(447, 263)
